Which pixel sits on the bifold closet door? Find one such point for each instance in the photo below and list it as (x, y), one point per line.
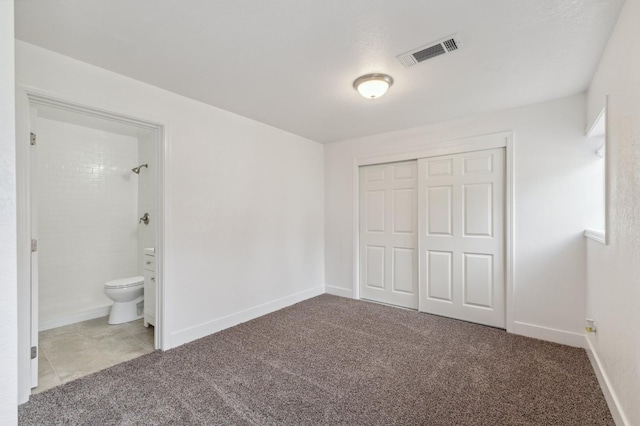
(461, 222)
(389, 234)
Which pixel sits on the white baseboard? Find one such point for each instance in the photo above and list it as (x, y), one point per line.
(549, 334)
(339, 291)
(47, 324)
(201, 330)
(605, 385)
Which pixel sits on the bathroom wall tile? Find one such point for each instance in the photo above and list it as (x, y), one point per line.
(87, 214)
(146, 195)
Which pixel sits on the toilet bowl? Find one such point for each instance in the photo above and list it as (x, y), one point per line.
(127, 295)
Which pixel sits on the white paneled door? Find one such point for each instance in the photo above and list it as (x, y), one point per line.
(389, 234)
(461, 222)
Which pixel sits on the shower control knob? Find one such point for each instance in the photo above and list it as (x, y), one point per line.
(145, 219)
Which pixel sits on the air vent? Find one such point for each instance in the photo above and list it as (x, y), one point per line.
(431, 50)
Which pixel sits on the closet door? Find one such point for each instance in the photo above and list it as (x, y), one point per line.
(388, 234)
(461, 222)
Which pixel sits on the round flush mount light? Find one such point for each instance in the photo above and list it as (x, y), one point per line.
(372, 86)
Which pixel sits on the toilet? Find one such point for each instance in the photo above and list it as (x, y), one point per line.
(127, 295)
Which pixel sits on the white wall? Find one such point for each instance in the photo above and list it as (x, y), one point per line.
(87, 203)
(613, 297)
(554, 168)
(244, 203)
(8, 266)
(146, 195)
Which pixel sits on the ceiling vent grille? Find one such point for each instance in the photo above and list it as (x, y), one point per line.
(431, 50)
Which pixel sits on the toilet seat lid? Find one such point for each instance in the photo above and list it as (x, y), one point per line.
(125, 282)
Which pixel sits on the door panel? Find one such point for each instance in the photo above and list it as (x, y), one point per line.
(404, 210)
(477, 163)
(478, 209)
(478, 279)
(440, 210)
(439, 275)
(437, 168)
(375, 174)
(375, 211)
(404, 171)
(403, 267)
(461, 227)
(375, 267)
(389, 234)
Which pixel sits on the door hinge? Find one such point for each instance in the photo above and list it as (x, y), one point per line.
(33, 138)
(34, 352)
(34, 246)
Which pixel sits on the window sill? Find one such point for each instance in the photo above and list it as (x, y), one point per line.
(595, 235)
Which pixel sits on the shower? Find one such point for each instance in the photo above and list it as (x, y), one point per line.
(136, 170)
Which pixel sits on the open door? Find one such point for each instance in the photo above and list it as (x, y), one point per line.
(31, 108)
(35, 356)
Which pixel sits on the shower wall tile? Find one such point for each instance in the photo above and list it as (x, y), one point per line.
(87, 215)
(146, 195)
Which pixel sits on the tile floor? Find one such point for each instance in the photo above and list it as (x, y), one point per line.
(76, 350)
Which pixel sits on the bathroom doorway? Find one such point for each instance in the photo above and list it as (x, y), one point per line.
(92, 208)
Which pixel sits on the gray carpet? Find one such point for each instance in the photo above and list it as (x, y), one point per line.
(331, 360)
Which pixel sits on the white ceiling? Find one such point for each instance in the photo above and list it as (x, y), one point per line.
(291, 63)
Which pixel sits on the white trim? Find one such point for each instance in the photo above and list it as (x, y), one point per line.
(25, 97)
(90, 314)
(23, 203)
(457, 146)
(591, 130)
(563, 337)
(161, 329)
(356, 229)
(105, 110)
(34, 256)
(38, 98)
(608, 167)
(605, 384)
(201, 330)
(339, 291)
(596, 235)
(509, 232)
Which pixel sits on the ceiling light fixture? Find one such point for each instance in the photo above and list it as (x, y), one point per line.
(372, 86)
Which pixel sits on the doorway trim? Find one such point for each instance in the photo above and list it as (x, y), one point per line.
(26, 97)
(455, 146)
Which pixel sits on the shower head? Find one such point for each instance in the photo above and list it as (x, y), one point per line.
(136, 170)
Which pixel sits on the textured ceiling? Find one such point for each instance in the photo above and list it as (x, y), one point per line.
(291, 63)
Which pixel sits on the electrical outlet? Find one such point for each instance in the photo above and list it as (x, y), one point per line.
(590, 325)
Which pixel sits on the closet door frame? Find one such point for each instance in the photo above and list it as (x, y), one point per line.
(457, 146)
